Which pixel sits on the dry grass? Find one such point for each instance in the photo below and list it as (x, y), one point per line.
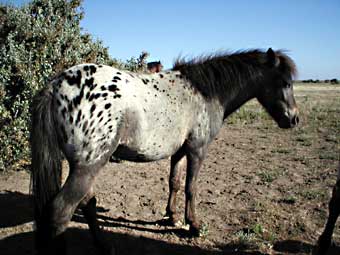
(301, 168)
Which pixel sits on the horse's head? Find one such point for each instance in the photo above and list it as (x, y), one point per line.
(276, 95)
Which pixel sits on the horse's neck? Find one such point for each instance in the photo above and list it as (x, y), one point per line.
(237, 98)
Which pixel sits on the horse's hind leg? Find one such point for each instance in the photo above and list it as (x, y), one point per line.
(75, 189)
(178, 162)
(334, 211)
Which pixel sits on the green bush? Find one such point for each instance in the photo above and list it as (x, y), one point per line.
(38, 41)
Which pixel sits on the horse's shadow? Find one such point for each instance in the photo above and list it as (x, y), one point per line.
(298, 247)
(79, 242)
(16, 209)
(157, 227)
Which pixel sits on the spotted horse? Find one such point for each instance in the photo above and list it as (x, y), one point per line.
(89, 112)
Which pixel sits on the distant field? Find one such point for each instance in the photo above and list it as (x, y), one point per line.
(317, 86)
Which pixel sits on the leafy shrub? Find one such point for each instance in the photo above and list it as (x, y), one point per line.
(38, 41)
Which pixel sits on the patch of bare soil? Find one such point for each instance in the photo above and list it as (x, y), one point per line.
(261, 190)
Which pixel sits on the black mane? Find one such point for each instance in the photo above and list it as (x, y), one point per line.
(217, 75)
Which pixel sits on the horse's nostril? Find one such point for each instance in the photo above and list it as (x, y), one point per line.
(295, 120)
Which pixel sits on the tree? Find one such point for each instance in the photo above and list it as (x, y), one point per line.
(334, 81)
(37, 41)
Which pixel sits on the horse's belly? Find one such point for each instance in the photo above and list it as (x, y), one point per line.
(149, 148)
(151, 135)
(142, 155)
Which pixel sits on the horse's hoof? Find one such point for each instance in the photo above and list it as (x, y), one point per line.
(315, 250)
(318, 251)
(113, 251)
(195, 231)
(322, 246)
(108, 250)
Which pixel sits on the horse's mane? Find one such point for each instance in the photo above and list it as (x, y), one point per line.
(217, 74)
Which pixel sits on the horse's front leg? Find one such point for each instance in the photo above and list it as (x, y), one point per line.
(195, 159)
(178, 162)
(325, 239)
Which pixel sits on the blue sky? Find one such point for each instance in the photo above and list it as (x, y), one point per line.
(308, 29)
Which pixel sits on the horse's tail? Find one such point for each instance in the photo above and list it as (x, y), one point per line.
(46, 156)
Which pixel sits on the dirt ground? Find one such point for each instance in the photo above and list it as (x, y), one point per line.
(262, 190)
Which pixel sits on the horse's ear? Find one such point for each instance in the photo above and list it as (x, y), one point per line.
(272, 59)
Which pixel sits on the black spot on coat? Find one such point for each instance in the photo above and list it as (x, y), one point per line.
(93, 108)
(89, 82)
(91, 97)
(88, 156)
(78, 116)
(74, 79)
(70, 107)
(88, 95)
(91, 123)
(112, 88)
(85, 125)
(63, 112)
(85, 144)
(93, 69)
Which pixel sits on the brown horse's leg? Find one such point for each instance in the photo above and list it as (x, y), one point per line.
(334, 211)
(177, 164)
(195, 160)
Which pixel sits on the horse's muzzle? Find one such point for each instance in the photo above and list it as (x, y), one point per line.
(289, 121)
(295, 121)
